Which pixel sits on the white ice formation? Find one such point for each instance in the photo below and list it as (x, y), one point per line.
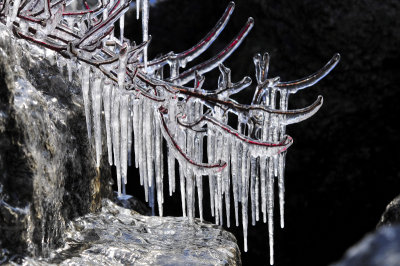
(244, 145)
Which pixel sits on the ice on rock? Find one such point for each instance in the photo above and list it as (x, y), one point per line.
(142, 108)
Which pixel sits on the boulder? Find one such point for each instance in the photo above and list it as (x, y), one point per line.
(119, 236)
(391, 215)
(55, 204)
(48, 173)
(376, 249)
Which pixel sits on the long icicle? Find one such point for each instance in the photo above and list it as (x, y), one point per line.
(86, 100)
(96, 105)
(107, 94)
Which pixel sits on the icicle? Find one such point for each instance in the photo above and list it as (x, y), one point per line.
(96, 105)
(174, 69)
(257, 191)
(226, 180)
(270, 209)
(123, 188)
(130, 131)
(219, 152)
(199, 182)
(281, 180)
(121, 28)
(123, 57)
(158, 165)
(171, 172)
(182, 143)
(199, 177)
(107, 94)
(145, 29)
(183, 190)
(143, 150)
(135, 122)
(281, 185)
(124, 120)
(275, 161)
(171, 158)
(210, 156)
(86, 100)
(283, 106)
(161, 165)
(149, 139)
(245, 166)
(253, 191)
(151, 197)
(234, 167)
(189, 196)
(137, 9)
(263, 169)
(216, 199)
(115, 118)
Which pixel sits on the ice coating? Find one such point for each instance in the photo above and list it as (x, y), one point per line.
(127, 96)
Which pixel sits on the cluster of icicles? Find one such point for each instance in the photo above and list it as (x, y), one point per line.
(245, 145)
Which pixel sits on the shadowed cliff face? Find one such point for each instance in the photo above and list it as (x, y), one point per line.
(343, 168)
(47, 171)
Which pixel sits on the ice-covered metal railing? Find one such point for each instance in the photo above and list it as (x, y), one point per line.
(141, 107)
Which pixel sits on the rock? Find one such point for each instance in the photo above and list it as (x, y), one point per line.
(376, 249)
(48, 173)
(131, 202)
(51, 191)
(117, 236)
(391, 216)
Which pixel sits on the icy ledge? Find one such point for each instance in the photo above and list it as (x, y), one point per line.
(119, 236)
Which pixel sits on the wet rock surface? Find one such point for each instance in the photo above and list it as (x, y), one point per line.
(117, 236)
(391, 216)
(47, 172)
(379, 248)
(131, 202)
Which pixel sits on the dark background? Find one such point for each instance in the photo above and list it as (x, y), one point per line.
(342, 169)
